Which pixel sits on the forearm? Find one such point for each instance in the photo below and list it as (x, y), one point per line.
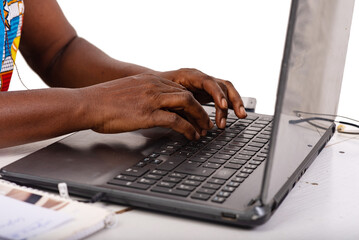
(82, 64)
(28, 116)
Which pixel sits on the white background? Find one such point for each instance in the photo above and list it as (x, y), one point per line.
(241, 41)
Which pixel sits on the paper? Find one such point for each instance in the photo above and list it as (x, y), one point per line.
(21, 220)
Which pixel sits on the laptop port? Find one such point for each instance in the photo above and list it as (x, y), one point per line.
(229, 216)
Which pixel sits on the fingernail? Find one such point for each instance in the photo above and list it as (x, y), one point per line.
(243, 111)
(224, 103)
(203, 133)
(223, 123)
(197, 136)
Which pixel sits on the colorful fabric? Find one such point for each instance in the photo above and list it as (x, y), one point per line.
(12, 12)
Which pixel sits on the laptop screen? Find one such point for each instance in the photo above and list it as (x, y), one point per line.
(309, 86)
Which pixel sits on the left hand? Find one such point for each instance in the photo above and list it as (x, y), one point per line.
(206, 89)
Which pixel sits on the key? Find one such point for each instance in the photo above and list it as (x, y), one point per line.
(227, 152)
(215, 146)
(186, 187)
(196, 178)
(126, 178)
(140, 164)
(255, 129)
(246, 136)
(217, 160)
(231, 147)
(250, 132)
(147, 181)
(256, 144)
(129, 184)
(200, 196)
(170, 191)
(152, 176)
(233, 166)
(199, 159)
(171, 163)
(223, 194)
(211, 165)
(243, 175)
(135, 172)
(242, 156)
(243, 140)
(206, 191)
(177, 175)
(218, 199)
(216, 181)
(260, 159)
(223, 156)
(262, 122)
(247, 170)
(254, 162)
(246, 152)
(260, 140)
(204, 172)
(238, 161)
(247, 120)
(228, 189)
(158, 172)
(171, 179)
(250, 148)
(250, 117)
(224, 173)
(191, 183)
(251, 166)
(233, 184)
(238, 179)
(166, 184)
(211, 186)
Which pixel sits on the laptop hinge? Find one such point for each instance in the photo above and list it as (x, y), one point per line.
(255, 202)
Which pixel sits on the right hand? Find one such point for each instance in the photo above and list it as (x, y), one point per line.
(144, 101)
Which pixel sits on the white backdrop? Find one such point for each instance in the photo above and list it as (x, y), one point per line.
(241, 41)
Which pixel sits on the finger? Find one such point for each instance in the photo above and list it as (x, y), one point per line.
(219, 97)
(213, 89)
(235, 100)
(186, 102)
(221, 114)
(221, 117)
(188, 118)
(202, 132)
(161, 118)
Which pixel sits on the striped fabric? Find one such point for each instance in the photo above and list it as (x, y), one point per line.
(10, 30)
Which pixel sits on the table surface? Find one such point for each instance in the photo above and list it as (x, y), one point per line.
(323, 204)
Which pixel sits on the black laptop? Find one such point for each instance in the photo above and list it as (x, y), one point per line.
(237, 176)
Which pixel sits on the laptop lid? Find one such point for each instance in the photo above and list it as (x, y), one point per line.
(309, 85)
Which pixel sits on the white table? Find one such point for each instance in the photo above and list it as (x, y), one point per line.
(323, 205)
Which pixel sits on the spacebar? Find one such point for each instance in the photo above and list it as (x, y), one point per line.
(200, 171)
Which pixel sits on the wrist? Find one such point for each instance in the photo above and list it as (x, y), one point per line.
(84, 105)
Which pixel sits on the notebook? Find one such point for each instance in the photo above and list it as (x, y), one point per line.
(236, 176)
(37, 214)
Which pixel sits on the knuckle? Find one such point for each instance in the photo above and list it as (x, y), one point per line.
(188, 97)
(173, 118)
(190, 71)
(150, 75)
(228, 83)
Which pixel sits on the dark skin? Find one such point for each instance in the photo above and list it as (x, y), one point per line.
(90, 90)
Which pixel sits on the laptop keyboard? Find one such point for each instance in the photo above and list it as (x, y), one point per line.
(209, 169)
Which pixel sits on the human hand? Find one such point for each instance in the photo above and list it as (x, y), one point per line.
(144, 101)
(206, 89)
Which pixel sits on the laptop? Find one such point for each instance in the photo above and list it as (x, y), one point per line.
(236, 176)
